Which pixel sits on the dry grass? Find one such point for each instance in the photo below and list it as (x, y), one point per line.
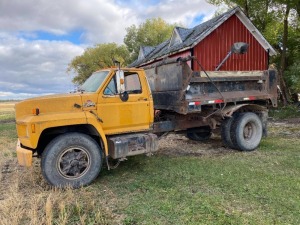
(7, 106)
(7, 112)
(27, 200)
(25, 197)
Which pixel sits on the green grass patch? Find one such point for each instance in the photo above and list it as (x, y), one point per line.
(290, 111)
(8, 130)
(261, 187)
(7, 117)
(7, 112)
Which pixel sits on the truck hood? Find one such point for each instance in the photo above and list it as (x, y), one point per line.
(49, 104)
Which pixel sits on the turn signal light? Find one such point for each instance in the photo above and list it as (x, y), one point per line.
(36, 111)
(33, 128)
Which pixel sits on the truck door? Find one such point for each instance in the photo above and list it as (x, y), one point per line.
(124, 116)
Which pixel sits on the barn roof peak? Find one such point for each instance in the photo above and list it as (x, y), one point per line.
(145, 51)
(179, 35)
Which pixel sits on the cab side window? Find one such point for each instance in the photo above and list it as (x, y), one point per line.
(132, 83)
(111, 88)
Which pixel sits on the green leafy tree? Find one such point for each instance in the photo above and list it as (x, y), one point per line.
(150, 33)
(258, 11)
(292, 73)
(98, 57)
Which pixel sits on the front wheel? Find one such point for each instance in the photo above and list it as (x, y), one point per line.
(246, 131)
(72, 159)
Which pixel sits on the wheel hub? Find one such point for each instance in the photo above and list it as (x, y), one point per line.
(248, 131)
(73, 163)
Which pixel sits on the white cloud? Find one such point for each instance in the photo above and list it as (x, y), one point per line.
(29, 66)
(35, 66)
(183, 11)
(100, 20)
(14, 96)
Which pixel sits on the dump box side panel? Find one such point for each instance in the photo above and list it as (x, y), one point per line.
(165, 83)
(168, 81)
(176, 87)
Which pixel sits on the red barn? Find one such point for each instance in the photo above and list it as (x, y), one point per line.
(211, 42)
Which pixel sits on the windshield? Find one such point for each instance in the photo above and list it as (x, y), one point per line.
(94, 81)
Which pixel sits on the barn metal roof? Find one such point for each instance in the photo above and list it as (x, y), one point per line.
(183, 38)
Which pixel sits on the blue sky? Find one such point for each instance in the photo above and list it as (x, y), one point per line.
(39, 38)
(72, 36)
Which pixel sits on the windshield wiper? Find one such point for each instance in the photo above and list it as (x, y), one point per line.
(80, 90)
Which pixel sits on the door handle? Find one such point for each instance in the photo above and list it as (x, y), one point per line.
(142, 99)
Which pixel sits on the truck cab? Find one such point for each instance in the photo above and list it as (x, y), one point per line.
(111, 102)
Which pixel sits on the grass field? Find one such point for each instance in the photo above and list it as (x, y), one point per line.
(7, 111)
(184, 183)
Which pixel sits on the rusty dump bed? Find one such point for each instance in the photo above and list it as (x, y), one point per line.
(176, 87)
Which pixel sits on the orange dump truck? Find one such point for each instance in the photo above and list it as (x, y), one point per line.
(120, 112)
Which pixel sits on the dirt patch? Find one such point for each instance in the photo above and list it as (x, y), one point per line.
(7, 121)
(288, 128)
(293, 121)
(179, 145)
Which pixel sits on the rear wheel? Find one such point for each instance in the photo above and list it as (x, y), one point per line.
(225, 132)
(199, 134)
(246, 131)
(72, 159)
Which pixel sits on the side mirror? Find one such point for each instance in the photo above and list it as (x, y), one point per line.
(124, 96)
(121, 86)
(120, 81)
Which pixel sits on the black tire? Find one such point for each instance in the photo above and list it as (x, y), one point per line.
(246, 131)
(71, 160)
(226, 133)
(199, 134)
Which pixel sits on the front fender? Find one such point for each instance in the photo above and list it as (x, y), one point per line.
(95, 121)
(30, 128)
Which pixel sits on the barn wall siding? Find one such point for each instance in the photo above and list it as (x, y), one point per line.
(182, 55)
(213, 49)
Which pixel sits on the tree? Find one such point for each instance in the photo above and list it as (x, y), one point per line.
(98, 57)
(256, 10)
(284, 9)
(150, 33)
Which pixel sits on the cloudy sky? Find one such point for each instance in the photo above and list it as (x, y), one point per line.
(39, 38)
